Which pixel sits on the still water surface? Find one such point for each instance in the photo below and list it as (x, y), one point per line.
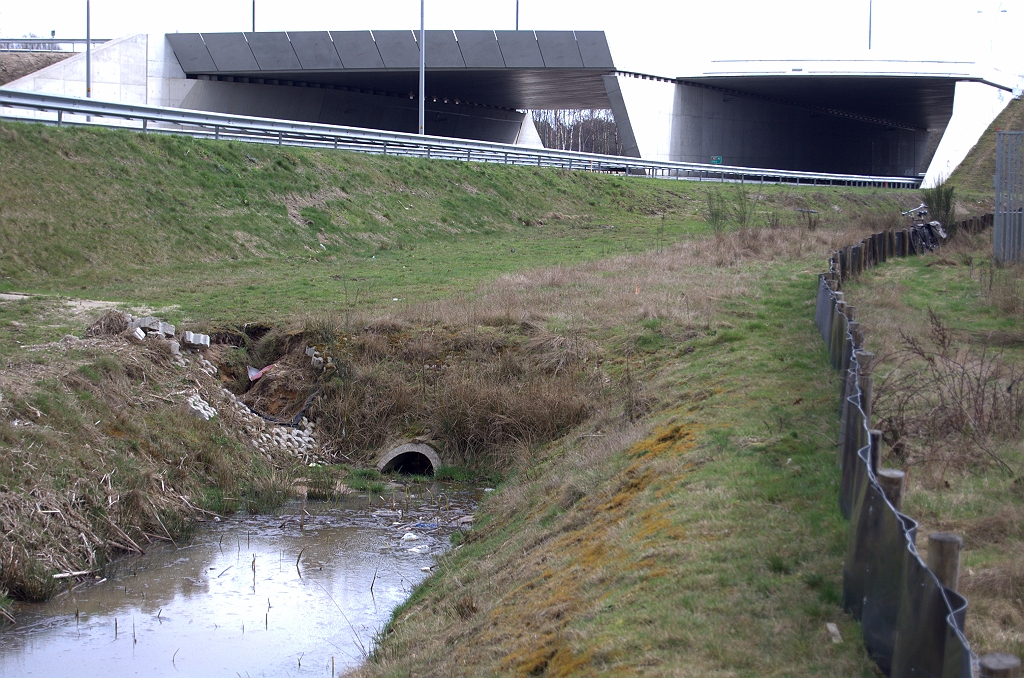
(232, 602)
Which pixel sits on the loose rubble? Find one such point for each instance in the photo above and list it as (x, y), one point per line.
(300, 441)
(266, 436)
(200, 408)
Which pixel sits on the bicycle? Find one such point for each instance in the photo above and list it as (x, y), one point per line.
(924, 236)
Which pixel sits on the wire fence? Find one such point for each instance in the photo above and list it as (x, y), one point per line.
(63, 110)
(912, 621)
(1008, 238)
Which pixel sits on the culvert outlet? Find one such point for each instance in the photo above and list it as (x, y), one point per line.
(413, 458)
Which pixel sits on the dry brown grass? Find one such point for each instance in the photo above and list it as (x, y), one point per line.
(100, 457)
(490, 376)
(947, 392)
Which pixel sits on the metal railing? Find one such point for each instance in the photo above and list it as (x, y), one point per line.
(48, 44)
(63, 110)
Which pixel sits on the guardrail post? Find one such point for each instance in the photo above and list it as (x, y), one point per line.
(216, 132)
(60, 118)
(1000, 665)
(944, 558)
(145, 125)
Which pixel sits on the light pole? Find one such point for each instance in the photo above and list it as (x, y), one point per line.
(423, 68)
(517, 15)
(88, 53)
(870, 8)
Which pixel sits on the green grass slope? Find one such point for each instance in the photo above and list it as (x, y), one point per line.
(219, 230)
(975, 173)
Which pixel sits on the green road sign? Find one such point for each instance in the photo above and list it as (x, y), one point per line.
(716, 160)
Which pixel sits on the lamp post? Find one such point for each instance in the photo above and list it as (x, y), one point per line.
(88, 53)
(423, 64)
(870, 8)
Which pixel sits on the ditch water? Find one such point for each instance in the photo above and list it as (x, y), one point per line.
(233, 601)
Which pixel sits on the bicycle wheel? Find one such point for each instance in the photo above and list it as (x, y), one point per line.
(915, 241)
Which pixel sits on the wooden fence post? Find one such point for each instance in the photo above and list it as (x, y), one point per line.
(876, 449)
(892, 482)
(1000, 665)
(944, 558)
(866, 383)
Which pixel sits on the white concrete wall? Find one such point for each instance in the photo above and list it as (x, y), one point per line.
(652, 109)
(167, 85)
(132, 69)
(975, 106)
(528, 135)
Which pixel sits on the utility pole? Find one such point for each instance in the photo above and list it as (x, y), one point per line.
(423, 68)
(88, 53)
(870, 8)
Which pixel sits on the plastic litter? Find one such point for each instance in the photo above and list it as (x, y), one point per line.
(255, 374)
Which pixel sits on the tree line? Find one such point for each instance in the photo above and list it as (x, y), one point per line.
(590, 131)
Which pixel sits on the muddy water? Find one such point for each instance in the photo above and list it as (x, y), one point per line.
(232, 602)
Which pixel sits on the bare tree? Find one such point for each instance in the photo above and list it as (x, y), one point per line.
(590, 131)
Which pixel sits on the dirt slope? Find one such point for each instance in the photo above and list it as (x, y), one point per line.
(14, 65)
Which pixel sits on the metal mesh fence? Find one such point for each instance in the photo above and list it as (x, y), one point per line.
(1008, 238)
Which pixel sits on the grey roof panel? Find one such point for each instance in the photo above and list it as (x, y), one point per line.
(594, 49)
(230, 52)
(398, 49)
(357, 49)
(519, 49)
(443, 50)
(559, 49)
(315, 49)
(479, 49)
(191, 52)
(273, 52)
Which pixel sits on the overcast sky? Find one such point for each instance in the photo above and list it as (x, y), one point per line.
(662, 37)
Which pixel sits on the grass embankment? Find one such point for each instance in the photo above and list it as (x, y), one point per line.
(952, 411)
(702, 538)
(14, 65)
(227, 231)
(973, 178)
(687, 525)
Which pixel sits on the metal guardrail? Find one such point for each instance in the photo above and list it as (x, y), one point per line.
(153, 119)
(47, 44)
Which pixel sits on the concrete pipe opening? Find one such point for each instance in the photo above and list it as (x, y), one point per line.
(411, 458)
